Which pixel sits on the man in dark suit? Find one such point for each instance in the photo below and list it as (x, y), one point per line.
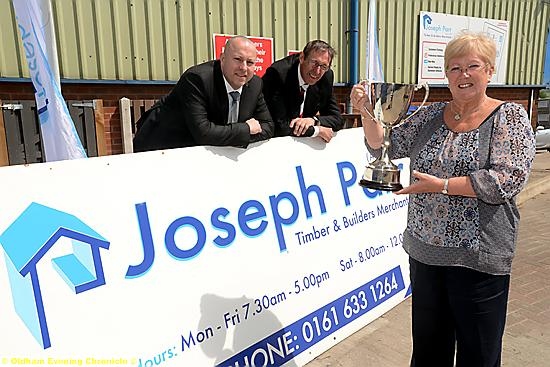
(218, 102)
(298, 93)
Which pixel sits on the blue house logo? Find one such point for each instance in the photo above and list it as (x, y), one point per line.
(426, 20)
(27, 240)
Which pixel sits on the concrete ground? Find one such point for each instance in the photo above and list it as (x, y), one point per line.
(386, 342)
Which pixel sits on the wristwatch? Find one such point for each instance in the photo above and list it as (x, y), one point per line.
(316, 121)
(445, 187)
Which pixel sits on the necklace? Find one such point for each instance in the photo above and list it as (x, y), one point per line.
(457, 115)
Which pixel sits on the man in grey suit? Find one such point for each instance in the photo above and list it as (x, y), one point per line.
(219, 102)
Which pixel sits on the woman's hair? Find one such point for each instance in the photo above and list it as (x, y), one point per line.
(467, 42)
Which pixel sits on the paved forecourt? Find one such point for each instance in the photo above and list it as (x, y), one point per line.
(386, 342)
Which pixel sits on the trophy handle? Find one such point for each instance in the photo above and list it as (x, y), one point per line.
(367, 84)
(427, 92)
(368, 113)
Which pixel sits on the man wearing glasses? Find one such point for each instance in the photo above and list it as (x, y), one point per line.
(298, 93)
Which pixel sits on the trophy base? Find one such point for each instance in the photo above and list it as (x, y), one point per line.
(381, 175)
(380, 186)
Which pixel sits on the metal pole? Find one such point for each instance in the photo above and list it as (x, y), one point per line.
(49, 32)
(354, 42)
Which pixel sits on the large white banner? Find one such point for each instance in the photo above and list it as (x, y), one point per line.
(203, 256)
(437, 29)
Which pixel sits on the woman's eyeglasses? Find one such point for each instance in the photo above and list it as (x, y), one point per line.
(470, 69)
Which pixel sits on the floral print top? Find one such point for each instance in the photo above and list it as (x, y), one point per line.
(464, 227)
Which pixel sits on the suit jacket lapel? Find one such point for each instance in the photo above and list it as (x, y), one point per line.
(311, 104)
(293, 97)
(220, 92)
(245, 102)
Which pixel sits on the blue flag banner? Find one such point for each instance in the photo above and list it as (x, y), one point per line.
(59, 137)
(374, 66)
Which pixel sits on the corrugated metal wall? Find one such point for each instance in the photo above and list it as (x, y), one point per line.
(158, 39)
(398, 23)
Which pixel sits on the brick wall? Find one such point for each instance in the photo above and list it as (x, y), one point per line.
(512, 94)
(109, 93)
(112, 93)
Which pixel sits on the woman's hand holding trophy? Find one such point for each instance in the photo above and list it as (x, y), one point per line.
(387, 105)
(374, 132)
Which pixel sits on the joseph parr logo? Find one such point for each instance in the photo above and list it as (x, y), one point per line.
(27, 240)
(426, 21)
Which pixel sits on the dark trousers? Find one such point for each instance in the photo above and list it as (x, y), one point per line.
(452, 304)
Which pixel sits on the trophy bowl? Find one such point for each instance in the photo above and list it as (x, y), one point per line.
(389, 106)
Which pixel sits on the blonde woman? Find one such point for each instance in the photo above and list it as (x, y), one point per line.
(470, 157)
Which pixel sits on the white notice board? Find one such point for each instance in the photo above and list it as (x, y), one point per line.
(437, 29)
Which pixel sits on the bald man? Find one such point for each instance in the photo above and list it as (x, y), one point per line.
(219, 103)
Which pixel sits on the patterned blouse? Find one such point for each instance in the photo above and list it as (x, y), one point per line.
(479, 233)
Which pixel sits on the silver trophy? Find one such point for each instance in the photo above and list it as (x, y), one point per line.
(389, 106)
